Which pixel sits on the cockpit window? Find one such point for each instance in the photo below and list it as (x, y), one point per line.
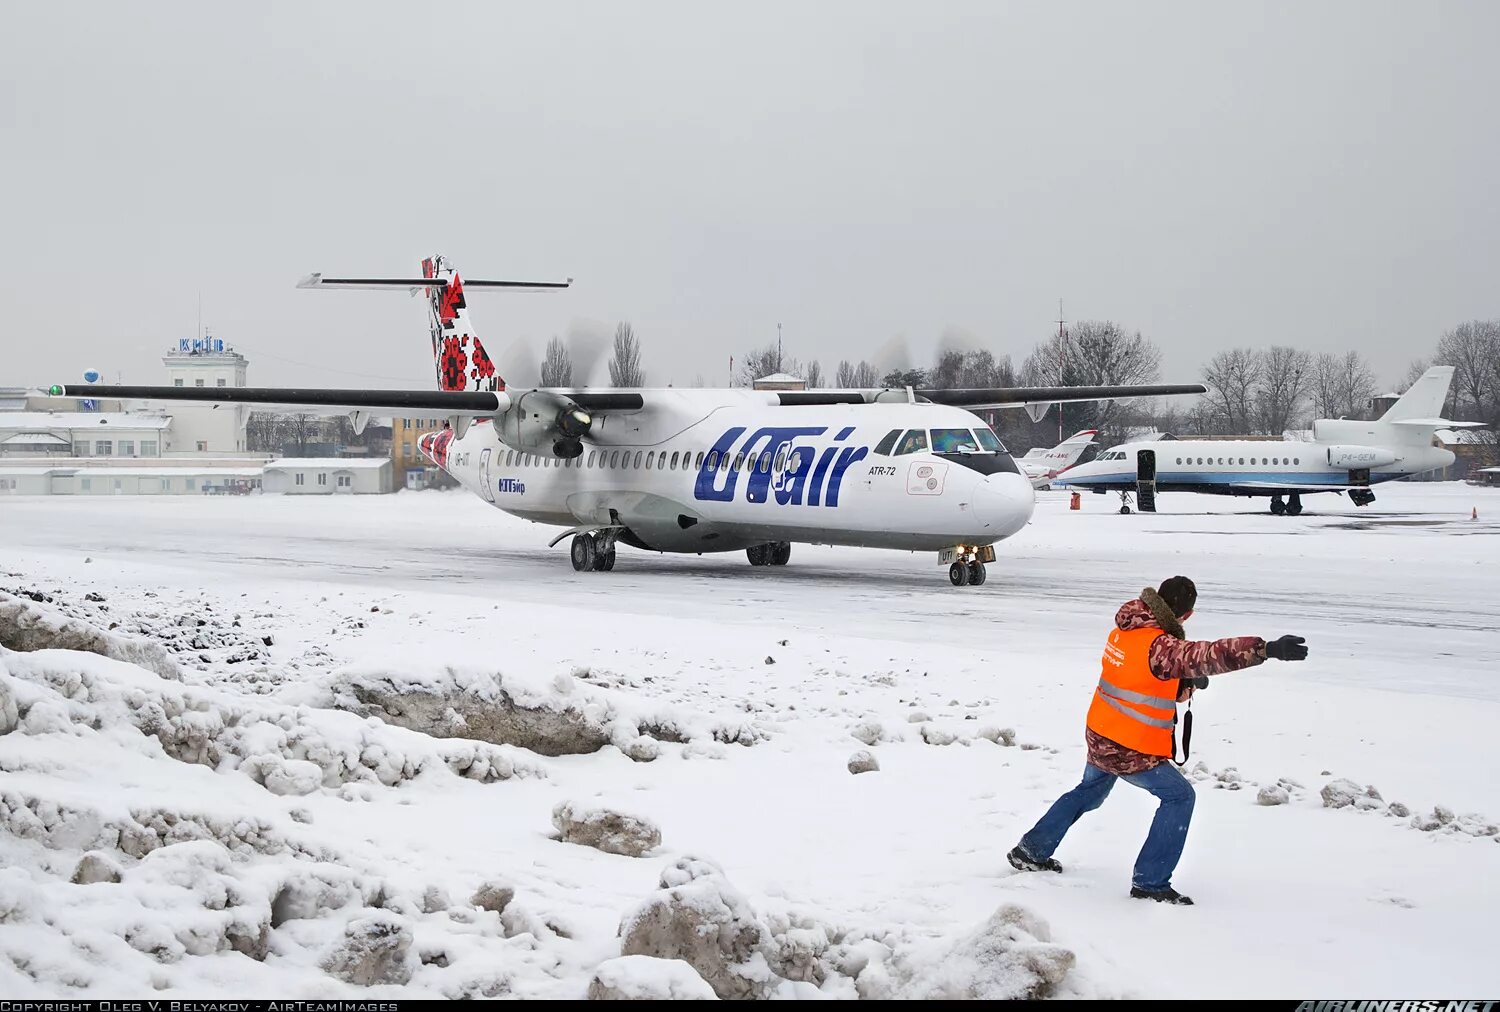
(988, 441)
(888, 443)
(954, 441)
(914, 441)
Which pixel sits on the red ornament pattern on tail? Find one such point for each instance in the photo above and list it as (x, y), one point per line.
(434, 446)
(452, 362)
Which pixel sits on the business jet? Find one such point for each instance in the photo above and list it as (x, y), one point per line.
(696, 470)
(1041, 465)
(1344, 455)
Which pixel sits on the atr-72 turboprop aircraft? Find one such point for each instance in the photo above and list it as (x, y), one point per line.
(694, 470)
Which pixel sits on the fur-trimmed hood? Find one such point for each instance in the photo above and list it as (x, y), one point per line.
(1149, 611)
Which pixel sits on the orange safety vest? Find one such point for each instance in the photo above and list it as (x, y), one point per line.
(1131, 705)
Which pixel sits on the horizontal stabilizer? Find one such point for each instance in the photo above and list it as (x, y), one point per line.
(418, 284)
(436, 402)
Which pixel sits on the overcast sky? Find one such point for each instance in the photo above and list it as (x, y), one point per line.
(1319, 174)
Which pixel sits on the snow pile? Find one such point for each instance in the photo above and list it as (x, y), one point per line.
(863, 761)
(874, 732)
(645, 978)
(605, 829)
(27, 625)
(1009, 957)
(552, 717)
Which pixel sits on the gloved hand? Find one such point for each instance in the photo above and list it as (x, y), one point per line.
(1287, 648)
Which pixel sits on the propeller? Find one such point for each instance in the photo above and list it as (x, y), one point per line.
(586, 345)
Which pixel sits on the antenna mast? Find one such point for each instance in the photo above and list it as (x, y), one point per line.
(1062, 340)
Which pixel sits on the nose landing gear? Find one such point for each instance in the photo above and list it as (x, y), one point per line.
(967, 565)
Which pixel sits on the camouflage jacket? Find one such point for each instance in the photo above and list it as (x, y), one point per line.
(1172, 657)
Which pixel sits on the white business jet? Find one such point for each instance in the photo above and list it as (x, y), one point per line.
(1344, 455)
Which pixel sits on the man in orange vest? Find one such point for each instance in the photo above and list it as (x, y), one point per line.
(1148, 667)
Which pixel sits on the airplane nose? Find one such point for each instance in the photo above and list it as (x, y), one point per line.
(1003, 503)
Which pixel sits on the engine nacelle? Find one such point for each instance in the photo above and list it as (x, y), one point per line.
(1359, 458)
(544, 423)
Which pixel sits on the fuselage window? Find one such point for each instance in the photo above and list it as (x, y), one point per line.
(648, 460)
(713, 459)
(1296, 460)
(914, 441)
(781, 457)
(638, 460)
(1276, 461)
(591, 459)
(765, 461)
(1179, 460)
(614, 458)
(699, 458)
(739, 461)
(674, 460)
(888, 443)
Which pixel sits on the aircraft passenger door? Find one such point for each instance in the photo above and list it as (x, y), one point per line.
(484, 475)
(1145, 481)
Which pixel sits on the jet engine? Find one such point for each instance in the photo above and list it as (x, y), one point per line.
(544, 423)
(1359, 458)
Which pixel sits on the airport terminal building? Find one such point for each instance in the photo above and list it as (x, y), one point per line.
(76, 446)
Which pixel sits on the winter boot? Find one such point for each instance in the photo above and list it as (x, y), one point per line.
(1022, 861)
(1167, 895)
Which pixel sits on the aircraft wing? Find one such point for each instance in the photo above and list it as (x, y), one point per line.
(336, 402)
(1032, 397)
(1294, 486)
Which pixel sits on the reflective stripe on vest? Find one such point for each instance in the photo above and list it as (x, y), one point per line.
(1131, 706)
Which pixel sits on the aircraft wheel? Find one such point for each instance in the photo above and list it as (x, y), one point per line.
(583, 552)
(606, 561)
(1278, 507)
(1294, 506)
(759, 555)
(977, 574)
(1124, 510)
(958, 574)
(780, 553)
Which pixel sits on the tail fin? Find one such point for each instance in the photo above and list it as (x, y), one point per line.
(1424, 398)
(457, 354)
(461, 362)
(1065, 454)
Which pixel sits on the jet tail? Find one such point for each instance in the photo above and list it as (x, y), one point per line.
(1424, 398)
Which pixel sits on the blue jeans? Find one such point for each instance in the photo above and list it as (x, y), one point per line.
(1163, 847)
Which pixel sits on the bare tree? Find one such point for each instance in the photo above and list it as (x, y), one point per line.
(1473, 349)
(1356, 385)
(1232, 377)
(961, 369)
(855, 375)
(302, 429)
(1326, 386)
(625, 363)
(1094, 353)
(557, 366)
(266, 431)
(764, 362)
(1414, 372)
(1284, 379)
(812, 375)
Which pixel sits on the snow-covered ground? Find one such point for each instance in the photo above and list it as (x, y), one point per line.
(271, 835)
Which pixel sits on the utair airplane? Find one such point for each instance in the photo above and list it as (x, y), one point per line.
(697, 470)
(1041, 465)
(1344, 455)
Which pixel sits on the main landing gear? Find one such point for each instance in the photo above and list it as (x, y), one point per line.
(777, 553)
(1124, 502)
(967, 568)
(593, 552)
(1292, 507)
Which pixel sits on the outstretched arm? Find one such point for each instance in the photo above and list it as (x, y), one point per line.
(1172, 658)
